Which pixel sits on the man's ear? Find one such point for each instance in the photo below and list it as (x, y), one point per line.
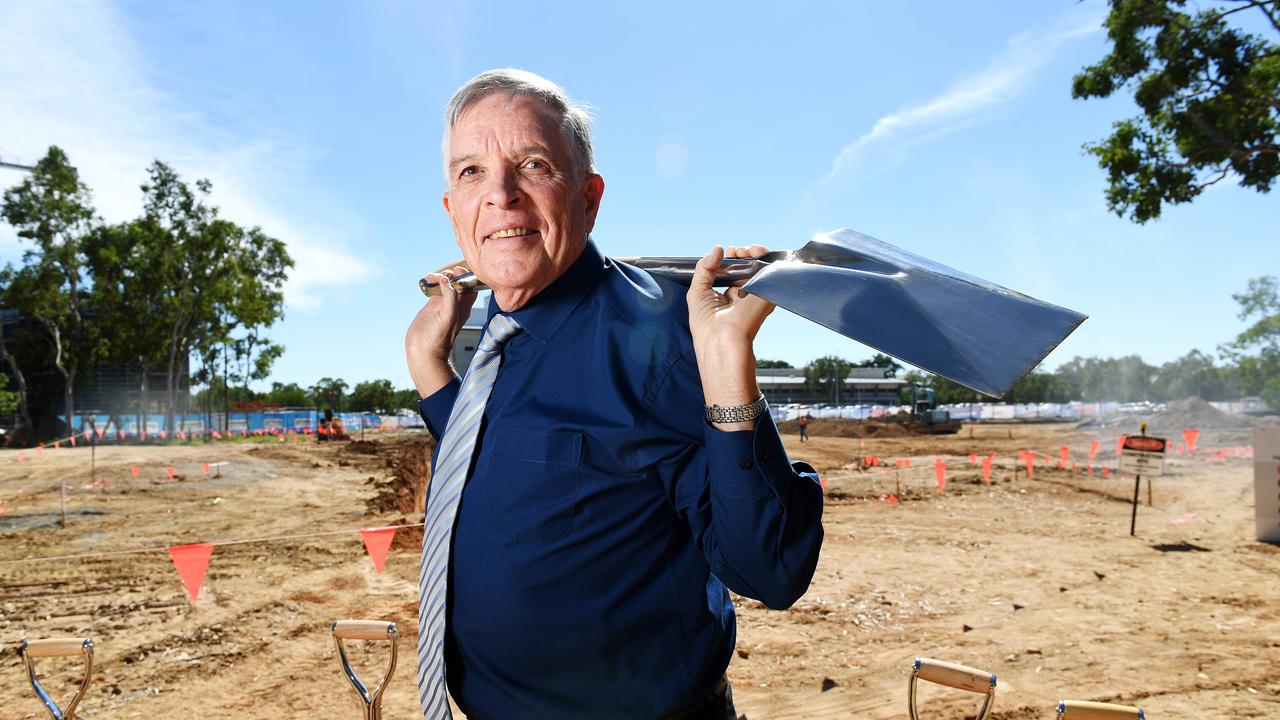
(444, 199)
(592, 191)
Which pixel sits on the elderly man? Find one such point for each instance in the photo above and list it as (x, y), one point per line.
(606, 469)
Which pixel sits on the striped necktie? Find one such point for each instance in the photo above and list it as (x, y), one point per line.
(453, 464)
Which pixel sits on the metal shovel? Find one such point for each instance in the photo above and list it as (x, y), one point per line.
(976, 333)
(58, 647)
(370, 701)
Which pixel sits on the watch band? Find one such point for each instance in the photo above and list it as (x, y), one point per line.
(736, 413)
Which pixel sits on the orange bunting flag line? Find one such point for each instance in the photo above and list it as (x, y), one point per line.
(986, 469)
(191, 562)
(377, 541)
(1093, 450)
(135, 470)
(823, 482)
(1191, 436)
(1063, 453)
(169, 471)
(87, 434)
(940, 472)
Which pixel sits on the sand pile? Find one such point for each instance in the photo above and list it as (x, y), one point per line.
(1196, 413)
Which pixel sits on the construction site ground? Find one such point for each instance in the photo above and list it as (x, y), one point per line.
(1035, 579)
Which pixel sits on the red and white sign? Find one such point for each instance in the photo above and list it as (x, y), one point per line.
(1142, 455)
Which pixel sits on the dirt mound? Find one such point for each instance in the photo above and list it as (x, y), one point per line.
(406, 490)
(1196, 413)
(363, 447)
(840, 427)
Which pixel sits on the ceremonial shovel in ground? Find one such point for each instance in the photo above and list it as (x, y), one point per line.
(979, 334)
(370, 701)
(58, 647)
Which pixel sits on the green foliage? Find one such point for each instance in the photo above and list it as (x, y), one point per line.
(880, 360)
(1256, 350)
(827, 373)
(771, 364)
(373, 396)
(329, 394)
(288, 395)
(1210, 100)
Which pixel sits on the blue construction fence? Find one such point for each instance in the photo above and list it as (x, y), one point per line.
(282, 421)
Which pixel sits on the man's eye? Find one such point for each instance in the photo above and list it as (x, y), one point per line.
(536, 164)
(469, 171)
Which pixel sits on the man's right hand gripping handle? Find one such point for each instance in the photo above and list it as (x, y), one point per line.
(429, 342)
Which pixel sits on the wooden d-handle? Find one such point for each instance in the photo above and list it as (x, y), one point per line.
(1085, 710)
(364, 629)
(955, 676)
(56, 647)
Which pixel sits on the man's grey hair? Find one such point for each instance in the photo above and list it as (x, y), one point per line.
(575, 121)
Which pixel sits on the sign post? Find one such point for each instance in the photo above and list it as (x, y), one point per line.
(1266, 483)
(1141, 455)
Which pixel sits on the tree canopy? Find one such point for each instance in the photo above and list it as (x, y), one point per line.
(1209, 93)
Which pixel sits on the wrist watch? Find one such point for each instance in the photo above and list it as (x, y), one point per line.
(736, 413)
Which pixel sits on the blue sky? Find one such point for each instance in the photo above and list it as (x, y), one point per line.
(945, 128)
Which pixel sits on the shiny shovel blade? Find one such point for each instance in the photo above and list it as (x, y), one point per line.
(979, 334)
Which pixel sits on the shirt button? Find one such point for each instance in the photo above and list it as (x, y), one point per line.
(744, 463)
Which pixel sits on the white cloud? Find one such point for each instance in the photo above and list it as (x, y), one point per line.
(71, 75)
(885, 145)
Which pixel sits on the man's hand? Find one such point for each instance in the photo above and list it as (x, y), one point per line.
(429, 341)
(724, 326)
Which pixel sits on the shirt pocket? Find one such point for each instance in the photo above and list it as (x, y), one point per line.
(537, 484)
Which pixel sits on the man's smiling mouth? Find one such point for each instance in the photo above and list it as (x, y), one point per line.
(511, 232)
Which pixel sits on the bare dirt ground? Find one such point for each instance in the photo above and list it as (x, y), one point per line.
(1036, 580)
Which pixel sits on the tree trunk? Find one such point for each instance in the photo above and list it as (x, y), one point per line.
(24, 411)
(144, 402)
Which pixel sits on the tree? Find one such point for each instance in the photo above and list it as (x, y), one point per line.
(374, 396)
(288, 395)
(1260, 372)
(880, 360)
(827, 373)
(54, 211)
(8, 295)
(1210, 100)
(329, 393)
(771, 364)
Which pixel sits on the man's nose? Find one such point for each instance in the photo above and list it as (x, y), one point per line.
(502, 190)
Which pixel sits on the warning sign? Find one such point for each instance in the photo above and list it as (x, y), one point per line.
(1143, 455)
(1266, 483)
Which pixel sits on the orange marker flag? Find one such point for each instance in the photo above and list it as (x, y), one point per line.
(1093, 450)
(135, 470)
(205, 468)
(1106, 472)
(986, 469)
(191, 562)
(1063, 452)
(377, 541)
(73, 440)
(1120, 442)
(1073, 468)
(164, 434)
(862, 443)
(99, 431)
(940, 472)
(973, 458)
(1191, 436)
(119, 434)
(169, 471)
(88, 435)
(822, 480)
(891, 499)
(1030, 460)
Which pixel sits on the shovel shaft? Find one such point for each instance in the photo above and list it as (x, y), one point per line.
(676, 269)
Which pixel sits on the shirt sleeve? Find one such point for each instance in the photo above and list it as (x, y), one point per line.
(435, 408)
(755, 515)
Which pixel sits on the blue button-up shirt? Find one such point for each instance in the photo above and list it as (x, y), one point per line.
(604, 517)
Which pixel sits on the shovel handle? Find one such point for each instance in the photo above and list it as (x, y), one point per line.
(364, 629)
(676, 269)
(56, 647)
(1085, 710)
(960, 677)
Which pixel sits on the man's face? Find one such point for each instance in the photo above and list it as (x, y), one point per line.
(520, 209)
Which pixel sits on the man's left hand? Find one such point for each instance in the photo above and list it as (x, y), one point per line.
(724, 326)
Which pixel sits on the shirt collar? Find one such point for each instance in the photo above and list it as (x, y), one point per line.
(547, 310)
